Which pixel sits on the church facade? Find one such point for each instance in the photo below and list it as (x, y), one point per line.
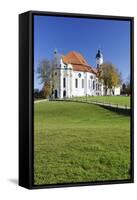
(72, 76)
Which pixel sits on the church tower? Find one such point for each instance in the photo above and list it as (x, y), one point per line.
(99, 58)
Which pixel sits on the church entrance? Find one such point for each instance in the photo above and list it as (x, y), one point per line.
(56, 94)
(64, 93)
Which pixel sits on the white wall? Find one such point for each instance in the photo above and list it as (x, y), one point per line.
(78, 91)
(9, 100)
(71, 77)
(67, 74)
(117, 91)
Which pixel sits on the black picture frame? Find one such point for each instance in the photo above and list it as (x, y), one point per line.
(26, 107)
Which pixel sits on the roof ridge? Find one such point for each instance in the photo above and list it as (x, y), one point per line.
(80, 57)
(78, 60)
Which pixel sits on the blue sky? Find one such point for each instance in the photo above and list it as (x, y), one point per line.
(84, 36)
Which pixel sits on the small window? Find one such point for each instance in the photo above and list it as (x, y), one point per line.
(96, 86)
(65, 67)
(82, 83)
(79, 75)
(55, 73)
(93, 85)
(100, 87)
(76, 83)
(64, 82)
(88, 83)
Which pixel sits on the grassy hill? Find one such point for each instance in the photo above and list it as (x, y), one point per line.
(76, 142)
(120, 100)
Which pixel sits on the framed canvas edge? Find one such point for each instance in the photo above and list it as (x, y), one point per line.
(31, 184)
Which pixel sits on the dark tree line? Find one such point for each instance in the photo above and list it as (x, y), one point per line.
(126, 90)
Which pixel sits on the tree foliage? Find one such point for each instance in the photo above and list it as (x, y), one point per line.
(47, 89)
(109, 75)
(44, 72)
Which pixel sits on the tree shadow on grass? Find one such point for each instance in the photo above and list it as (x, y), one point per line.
(126, 112)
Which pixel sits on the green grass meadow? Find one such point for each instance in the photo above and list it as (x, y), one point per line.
(79, 142)
(120, 100)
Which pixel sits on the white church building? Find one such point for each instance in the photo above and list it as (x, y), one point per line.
(72, 76)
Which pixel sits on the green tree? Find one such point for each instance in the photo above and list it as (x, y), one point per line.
(109, 75)
(44, 75)
(47, 89)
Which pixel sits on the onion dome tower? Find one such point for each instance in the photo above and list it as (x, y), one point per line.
(55, 51)
(99, 58)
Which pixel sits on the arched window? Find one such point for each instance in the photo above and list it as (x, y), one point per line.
(56, 94)
(64, 82)
(76, 83)
(64, 93)
(88, 83)
(96, 86)
(82, 83)
(93, 85)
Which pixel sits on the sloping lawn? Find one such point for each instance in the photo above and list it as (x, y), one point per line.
(78, 142)
(120, 100)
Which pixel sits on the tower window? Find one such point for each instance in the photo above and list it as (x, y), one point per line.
(76, 83)
(64, 82)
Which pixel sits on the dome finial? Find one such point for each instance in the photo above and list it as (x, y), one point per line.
(99, 47)
(55, 51)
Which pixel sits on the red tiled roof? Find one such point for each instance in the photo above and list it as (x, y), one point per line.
(78, 62)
